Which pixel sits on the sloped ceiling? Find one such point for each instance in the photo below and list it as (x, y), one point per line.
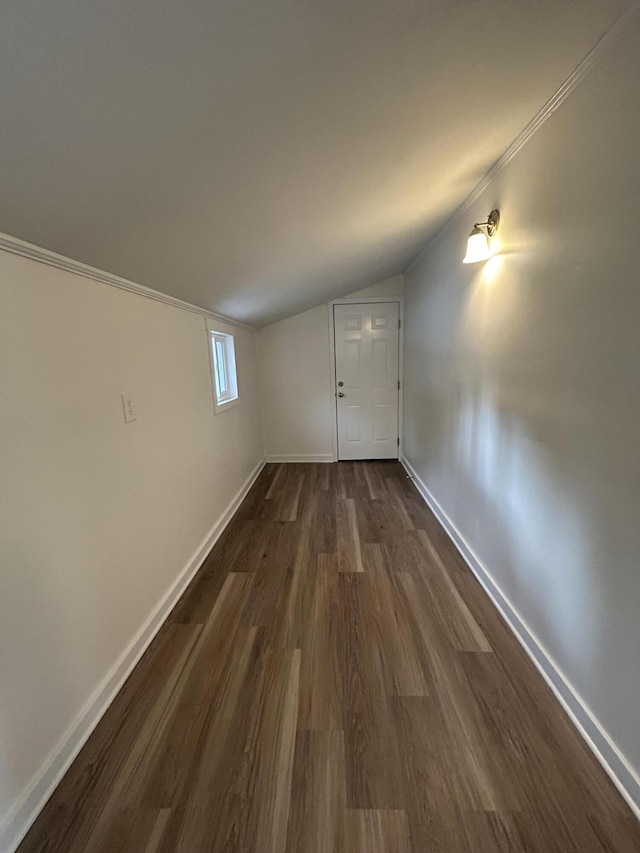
(256, 157)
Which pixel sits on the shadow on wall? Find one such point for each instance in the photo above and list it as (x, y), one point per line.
(7, 776)
(507, 432)
(506, 471)
(34, 583)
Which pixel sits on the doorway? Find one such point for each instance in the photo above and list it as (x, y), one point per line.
(366, 340)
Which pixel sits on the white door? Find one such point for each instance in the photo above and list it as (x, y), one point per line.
(366, 342)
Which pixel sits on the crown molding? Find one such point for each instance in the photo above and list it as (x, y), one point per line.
(15, 246)
(595, 55)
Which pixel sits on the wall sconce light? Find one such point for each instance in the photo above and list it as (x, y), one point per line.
(478, 248)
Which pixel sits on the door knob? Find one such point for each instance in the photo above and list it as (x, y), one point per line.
(340, 394)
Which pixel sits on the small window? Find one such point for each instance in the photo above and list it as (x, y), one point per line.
(225, 381)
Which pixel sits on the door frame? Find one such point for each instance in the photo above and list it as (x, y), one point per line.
(362, 300)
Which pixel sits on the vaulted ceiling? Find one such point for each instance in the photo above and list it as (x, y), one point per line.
(256, 157)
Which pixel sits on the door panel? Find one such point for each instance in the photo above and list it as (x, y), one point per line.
(353, 364)
(366, 348)
(353, 424)
(380, 421)
(380, 365)
(352, 323)
(378, 321)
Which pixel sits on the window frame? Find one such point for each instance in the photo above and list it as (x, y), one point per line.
(224, 370)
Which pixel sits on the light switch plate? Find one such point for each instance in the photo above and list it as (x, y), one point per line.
(128, 409)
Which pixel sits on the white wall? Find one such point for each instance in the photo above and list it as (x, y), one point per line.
(295, 380)
(522, 411)
(99, 517)
(389, 287)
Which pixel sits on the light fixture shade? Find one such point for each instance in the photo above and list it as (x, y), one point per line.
(477, 247)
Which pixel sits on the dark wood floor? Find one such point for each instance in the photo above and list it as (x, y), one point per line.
(334, 680)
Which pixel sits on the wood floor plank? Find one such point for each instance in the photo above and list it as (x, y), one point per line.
(69, 817)
(464, 632)
(134, 777)
(474, 765)
(293, 608)
(374, 774)
(279, 725)
(318, 814)
(405, 552)
(432, 790)
(249, 541)
(133, 830)
(368, 529)
(128, 785)
(348, 536)
(378, 831)
(226, 772)
(276, 474)
(335, 680)
(397, 501)
(200, 727)
(321, 689)
(289, 492)
(391, 649)
(194, 832)
(322, 523)
(374, 482)
(155, 839)
(324, 478)
(273, 568)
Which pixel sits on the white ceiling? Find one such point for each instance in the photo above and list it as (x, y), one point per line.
(256, 157)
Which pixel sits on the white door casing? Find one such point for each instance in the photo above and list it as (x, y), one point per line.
(367, 363)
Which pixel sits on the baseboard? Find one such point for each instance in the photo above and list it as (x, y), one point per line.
(23, 813)
(301, 457)
(620, 771)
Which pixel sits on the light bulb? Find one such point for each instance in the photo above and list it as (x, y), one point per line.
(477, 247)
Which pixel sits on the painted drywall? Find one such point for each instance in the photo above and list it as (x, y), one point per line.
(521, 404)
(393, 286)
(99, 517)
(261, 145)
(295, 380)
(295, 386)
